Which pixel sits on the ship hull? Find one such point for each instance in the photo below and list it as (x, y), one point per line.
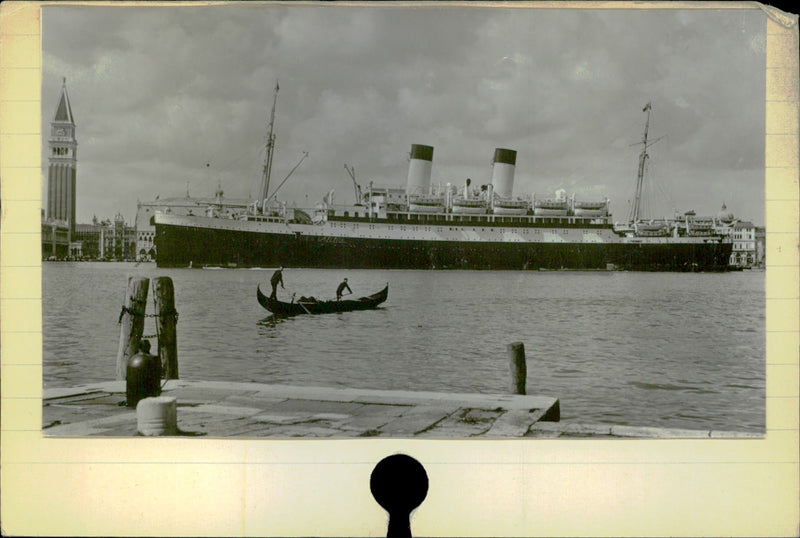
(197, 246)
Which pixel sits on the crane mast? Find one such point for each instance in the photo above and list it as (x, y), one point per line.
(637, 201)
(267, 171)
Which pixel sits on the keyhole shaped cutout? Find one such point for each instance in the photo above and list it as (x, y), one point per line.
(399, 484)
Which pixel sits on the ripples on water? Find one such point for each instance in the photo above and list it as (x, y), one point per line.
(645, 349)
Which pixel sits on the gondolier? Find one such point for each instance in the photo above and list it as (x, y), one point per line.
(341, 288)
(277, 278)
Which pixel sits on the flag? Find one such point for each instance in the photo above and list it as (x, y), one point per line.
(328, 198)
(646, 108)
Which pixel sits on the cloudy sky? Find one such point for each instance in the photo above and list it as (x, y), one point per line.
(173, 98)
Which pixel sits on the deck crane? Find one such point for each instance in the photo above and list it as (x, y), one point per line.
(356, 187)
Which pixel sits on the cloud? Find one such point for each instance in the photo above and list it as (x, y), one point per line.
(158, 92)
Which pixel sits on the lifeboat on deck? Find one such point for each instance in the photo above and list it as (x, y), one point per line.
(550, 207)
(426, 204)
(589, 209)
(652, 229)
(469, 205)
(509, 207)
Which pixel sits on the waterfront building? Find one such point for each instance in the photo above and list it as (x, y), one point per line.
(146, 230)
(55, 239)
(92, 239)
(62, 163)
(105, 240)
(744, 244)
(742, 234)
(725, 220)
(761, 246)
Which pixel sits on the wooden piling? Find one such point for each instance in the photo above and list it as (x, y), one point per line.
(519, 370)
(166, 325)
(132, 321)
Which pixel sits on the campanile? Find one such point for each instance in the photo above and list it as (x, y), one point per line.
(62, 163)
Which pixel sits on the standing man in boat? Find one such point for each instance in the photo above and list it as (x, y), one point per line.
(341, 288)
(277, 278)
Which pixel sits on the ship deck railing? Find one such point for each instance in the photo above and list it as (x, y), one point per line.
(467, 219)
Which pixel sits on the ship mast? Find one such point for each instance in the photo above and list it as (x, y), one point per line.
(270, 148)
(642, 160)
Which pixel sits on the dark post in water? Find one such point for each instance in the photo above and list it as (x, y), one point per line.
(132, 322)
(519, 371)
(166, 321)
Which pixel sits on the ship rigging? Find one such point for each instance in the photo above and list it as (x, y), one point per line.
(636, 210)
(267, 171)
(264, 196)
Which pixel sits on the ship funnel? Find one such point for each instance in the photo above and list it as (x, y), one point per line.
(419, 170)
(503, 172)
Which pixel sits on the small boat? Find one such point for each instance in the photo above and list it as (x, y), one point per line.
(426, 204)
(507, 206)
(550, 207)
(590, 209)
(306, 306)
(469, 205)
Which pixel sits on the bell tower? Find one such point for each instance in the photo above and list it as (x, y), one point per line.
(62, 163)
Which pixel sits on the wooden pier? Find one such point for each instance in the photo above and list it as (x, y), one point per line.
(223, 409)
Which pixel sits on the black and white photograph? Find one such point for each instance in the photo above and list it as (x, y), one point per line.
(422, 221)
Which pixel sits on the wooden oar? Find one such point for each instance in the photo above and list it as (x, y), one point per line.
(301, 304)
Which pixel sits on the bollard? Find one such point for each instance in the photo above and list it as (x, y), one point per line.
(132, 320)
(142, 376)
(157, 416)
(519, 371)
(166, 325)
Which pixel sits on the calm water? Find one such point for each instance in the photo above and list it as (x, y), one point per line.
(644, 349)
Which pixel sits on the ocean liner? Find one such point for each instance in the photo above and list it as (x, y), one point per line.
(427, 226)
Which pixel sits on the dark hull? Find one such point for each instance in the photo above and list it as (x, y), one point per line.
(321, 307)
(181, 246)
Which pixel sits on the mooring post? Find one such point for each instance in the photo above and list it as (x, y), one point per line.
(166, 325)
(132, 321)
(519, 371)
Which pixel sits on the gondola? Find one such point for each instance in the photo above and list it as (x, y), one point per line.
(321, 307)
